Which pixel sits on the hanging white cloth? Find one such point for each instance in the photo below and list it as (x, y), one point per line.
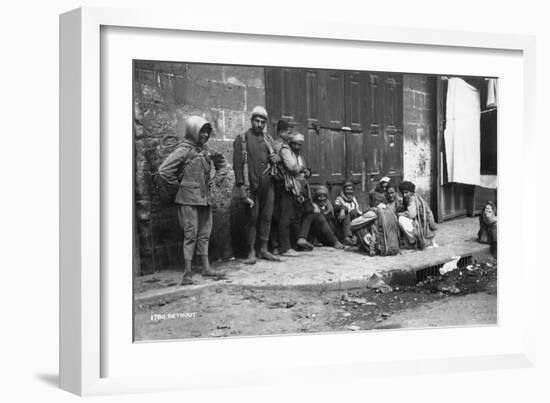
(492, 93)
(462, 133)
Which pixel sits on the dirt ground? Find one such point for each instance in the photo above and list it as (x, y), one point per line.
(460, 297)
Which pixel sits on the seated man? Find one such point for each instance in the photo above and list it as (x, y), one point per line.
(377, 230)
(488, 227)
(416, 221)
(378, 194)
(346, 208)
(365, 230)
(393, 201)
(320, 224)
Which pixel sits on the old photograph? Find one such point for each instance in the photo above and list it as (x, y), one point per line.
(276, 200)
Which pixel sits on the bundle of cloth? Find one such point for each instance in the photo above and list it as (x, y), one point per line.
(377, 231)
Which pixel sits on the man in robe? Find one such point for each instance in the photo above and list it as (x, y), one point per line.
(416, 222)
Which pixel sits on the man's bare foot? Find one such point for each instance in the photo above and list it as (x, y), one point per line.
(348, 241)
(187, 280)
(290, 253)
(302, 243)
(265, 254)
(338, 245)
(251, 259)
(211, 273)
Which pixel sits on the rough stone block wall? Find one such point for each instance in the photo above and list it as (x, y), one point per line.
(165, 95)
(419, 133)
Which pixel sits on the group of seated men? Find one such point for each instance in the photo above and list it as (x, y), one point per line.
(286, 215)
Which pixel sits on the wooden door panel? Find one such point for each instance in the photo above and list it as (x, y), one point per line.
(393, 153)
(315, 142)
(352, 122)
(393, 126)
(332, 119)
(334, 156)
(455, 199)
(355, 94)
(393, 101)
(332, 101)
(311, 79)
(314, 147)
(373, 149)
(288, 94)
(284, 95)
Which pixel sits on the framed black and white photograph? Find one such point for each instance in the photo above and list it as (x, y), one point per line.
(276, 200)
(242, 205)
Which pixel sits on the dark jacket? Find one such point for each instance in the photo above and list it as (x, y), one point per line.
(258, 158)
(189, 166)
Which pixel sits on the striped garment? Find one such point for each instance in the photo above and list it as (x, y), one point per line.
(346, 203)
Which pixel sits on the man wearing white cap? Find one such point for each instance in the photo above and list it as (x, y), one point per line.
(378, 194)
(253, 155)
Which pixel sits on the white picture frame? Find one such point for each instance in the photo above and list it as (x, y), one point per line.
(83, 303)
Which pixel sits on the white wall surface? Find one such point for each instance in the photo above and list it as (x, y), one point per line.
(29, 202)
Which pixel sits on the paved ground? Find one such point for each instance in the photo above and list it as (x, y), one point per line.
(323, 268)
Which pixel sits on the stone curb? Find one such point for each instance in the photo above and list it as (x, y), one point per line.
(406, 275)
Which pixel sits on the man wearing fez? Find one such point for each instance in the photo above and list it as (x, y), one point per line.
(254, 160)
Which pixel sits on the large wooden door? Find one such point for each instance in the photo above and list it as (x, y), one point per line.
(352, 122)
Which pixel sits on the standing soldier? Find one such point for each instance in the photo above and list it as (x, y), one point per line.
(253, 160)
(187, 169)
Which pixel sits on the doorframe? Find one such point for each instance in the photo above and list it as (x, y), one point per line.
(440, 125)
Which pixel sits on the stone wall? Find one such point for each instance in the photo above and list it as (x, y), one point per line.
(165, 95)
(419, 133)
